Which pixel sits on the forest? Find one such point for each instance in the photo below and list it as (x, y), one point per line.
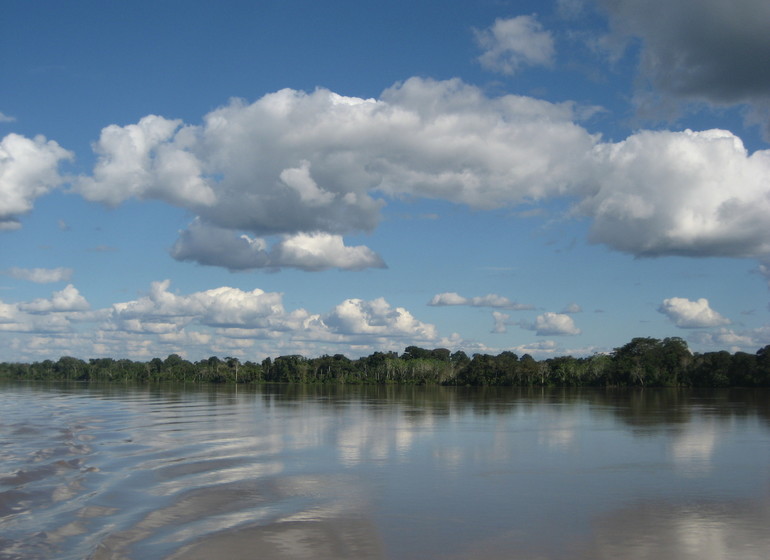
(643, 362)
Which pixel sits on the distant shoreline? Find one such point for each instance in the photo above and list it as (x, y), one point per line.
(643, 362)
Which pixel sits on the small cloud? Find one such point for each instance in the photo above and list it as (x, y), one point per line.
(540, 349)
(489, 300)
(501, 322)
(66, 300)
(41, 275)
(572, 308)
(63, 226)
(6, 118)
(512, 43)
(688, 314)
(552, 324)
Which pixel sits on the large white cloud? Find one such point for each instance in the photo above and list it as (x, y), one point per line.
(29, 168)
(680, 193)
(150, 159)
(308, 163)
(512, 43)
(691, 314)
(307, 168)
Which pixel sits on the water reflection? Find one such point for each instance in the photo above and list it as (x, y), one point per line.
(120, 472)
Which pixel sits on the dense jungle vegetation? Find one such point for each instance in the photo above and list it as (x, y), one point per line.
(643, 362)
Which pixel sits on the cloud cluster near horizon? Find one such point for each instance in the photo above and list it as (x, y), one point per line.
(228, 320)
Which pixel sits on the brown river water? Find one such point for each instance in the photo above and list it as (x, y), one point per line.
(175, 472)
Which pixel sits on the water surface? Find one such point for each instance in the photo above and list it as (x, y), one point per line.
(278, 472)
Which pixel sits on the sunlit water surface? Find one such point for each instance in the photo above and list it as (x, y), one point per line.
(279, 472)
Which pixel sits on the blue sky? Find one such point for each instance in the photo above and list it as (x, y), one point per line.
(257, 179)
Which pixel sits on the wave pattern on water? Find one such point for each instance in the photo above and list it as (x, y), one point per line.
(148, 477)
(173, 473)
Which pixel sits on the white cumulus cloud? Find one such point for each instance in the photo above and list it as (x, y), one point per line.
(150, 159)
(297, 171)
(28, 170)
(553, 324)
(680, 193)
(65, 300)
(305, 163)
(356, 316)
(691, 314)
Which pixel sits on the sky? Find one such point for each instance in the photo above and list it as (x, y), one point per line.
(265, 178)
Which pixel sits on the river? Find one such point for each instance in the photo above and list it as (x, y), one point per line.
(113, 472)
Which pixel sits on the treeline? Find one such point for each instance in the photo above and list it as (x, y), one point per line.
(643, 362)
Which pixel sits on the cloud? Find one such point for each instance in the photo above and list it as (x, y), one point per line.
(764, 270)
(66, 300)
(538, 350)
(41, 275)
(6, 118)
(150, 159)
(306, 163)
(746, 340)
(691, 314)
(552, 324)
(215, 246)
(52, 316)
(489, 300)
(249, 316)
(501, 322)
(221, 307)
(319, 251)
(297, 171)
(28, 170)
(680, 193)
(377, 317)
(573, 308)
(226, 320)
(699, 50)
(510, 44)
